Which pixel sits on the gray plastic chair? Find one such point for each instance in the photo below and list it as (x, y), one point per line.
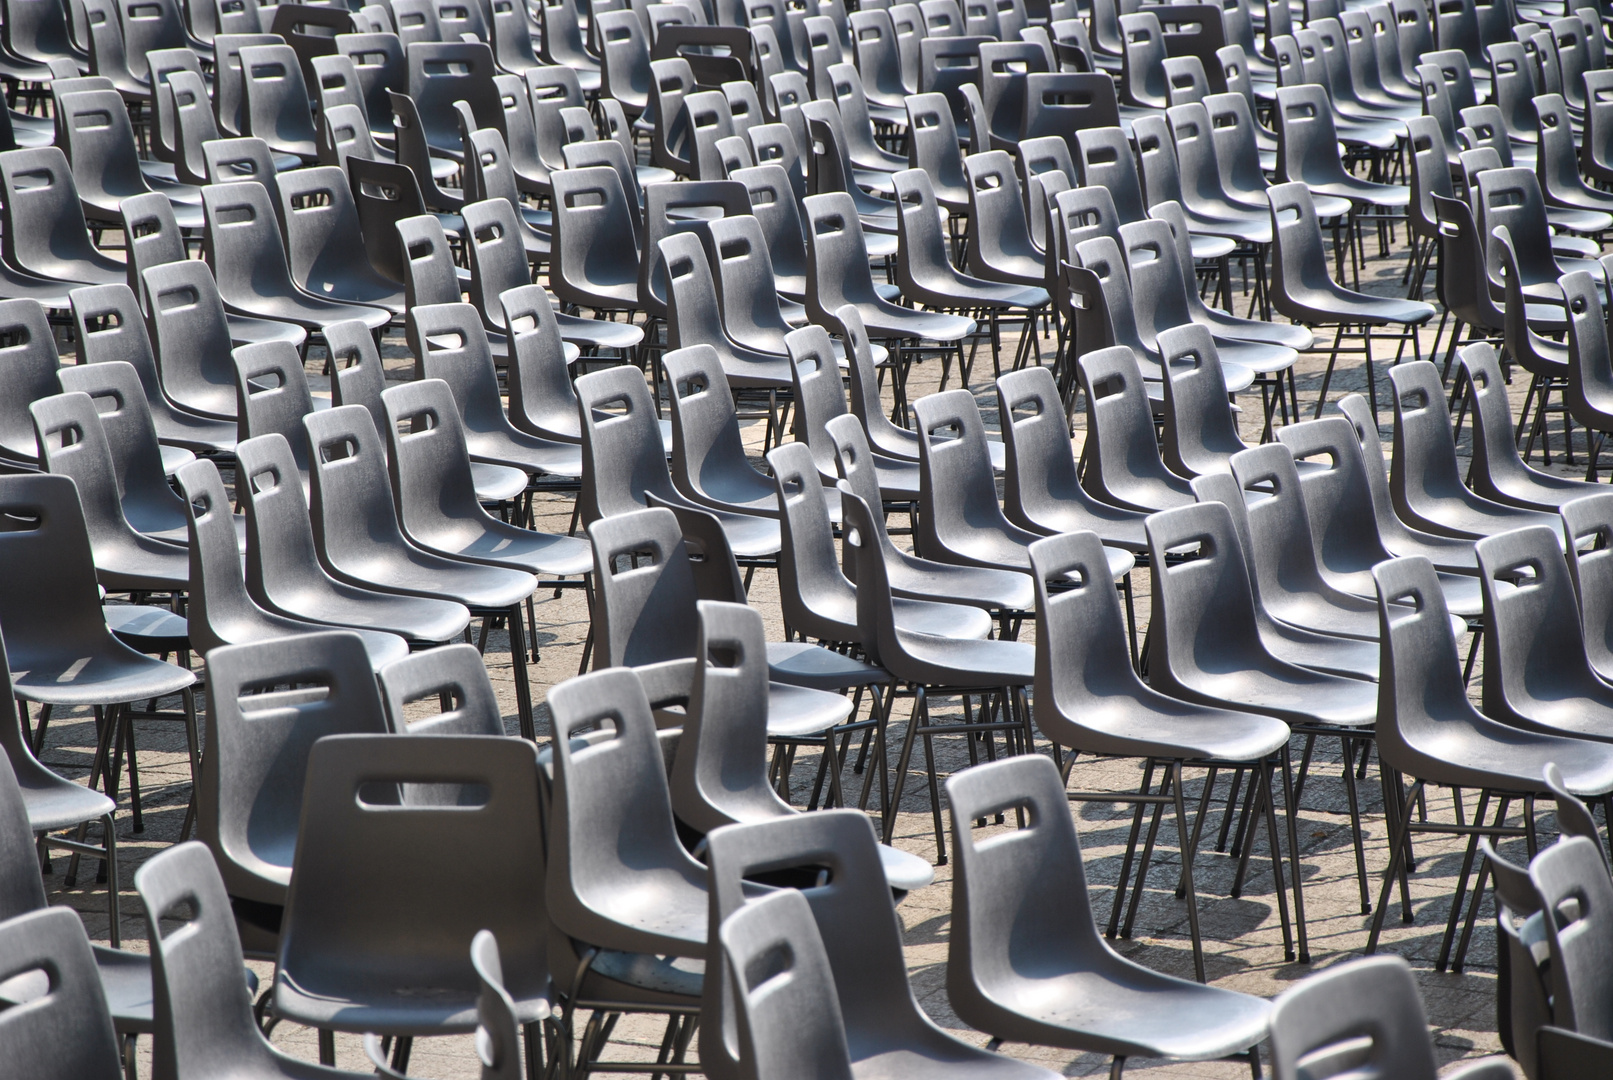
(960, 520)
(356, 532)
(820, 397)
(449, 343)
(457, 678)
(625, 460)
(251, 788)
(105, 161)
(862, 936)
(44, 230)
(1076, 993)
(1588, 536)
(73, 443)
(1094, 702)
(1537, 675)
(283, 574)
(646, 618)
(1431, 733)
(1576, 1042)
(695, 319)
(1367, 1013)
(1284, 550)
(203, 1007)
(1449, 554)
(925, 664)
(67, 1032)
(438, 510)
(324, 242)
(221, 611)
(111, 328)
(191, 336)
(1424, 477)
(272, 397)
(1120, 462)
(709, 465)
(1201, 431)
(346, 965)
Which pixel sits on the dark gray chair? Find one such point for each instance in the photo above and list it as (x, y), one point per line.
(450, 343)
(709, 465)
(325, 244)
(221, 611)
(67, 1033)
(272, 397)
(1016, 892)
(457, 678)
(45, 235)
(886, 1029)
(343, 961)
(1537, 674)
(820, 397)
(251, 788)
(1327, 1016)
(111, 328)
(283, 574)
(1094, 702)
(191, 335)
(1201, 431)
(1431, 733)
(1588, 542)
(356, 531)
(1120, 462)
(275, 100)
(204, 1011)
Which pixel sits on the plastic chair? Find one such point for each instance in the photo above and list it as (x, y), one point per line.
(73, 443)
(1094, 702)
(1424, 477)
(111, 329)
(1586, 529)
(149, 503)
(441, 73)
(1497, 473)
(34, 803)
(1121, 1001)
(242, 245)
(272, 397)
(106, 168)
(325, 243)
(591, 206)
(432, 483)
(221, 612)
(1118, 466)
(449, 344)
(1538, 676)
(1366, 1011)
(283, 574)
(379, 61)
(341, 962)
(933, 147)
(356, 531)
(1590, 377)
(275, 101)
(1433, 734)
(1303, 290)
(44, 230)
(1511, 199)
(68, 1031)
(203, 1006)
(708, 458)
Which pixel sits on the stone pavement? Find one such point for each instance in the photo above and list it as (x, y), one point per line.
(1241, 936)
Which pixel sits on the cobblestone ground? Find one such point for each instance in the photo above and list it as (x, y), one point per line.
(1242, 941)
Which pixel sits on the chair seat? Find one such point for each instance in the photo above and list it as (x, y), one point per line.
(1576, 220)
(1299, 698)
(889, 322)
(599, 333)
(1383, 196)
(175, 458)
(534, 552)
(1117, 528)
(1230, 327)
(1127, 1010)
(1260, 357)
(54, 802)
(386, 1004)
(175, 427)
(797, 663)
(246, 330)
(308, 311)
(150, 630)
(1329, 655)
(795, 712)
(496, 483)
(1206, 248)
(520, 450)
(1333, 303)
(416, 573)
(1484, 753)
(978, 586)
(1160, 726)
(116, 674)
(958, 664)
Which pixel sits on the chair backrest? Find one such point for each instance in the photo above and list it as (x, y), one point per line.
(1104, 158)
(788, 1020)
(149, 501)
(245, 159)
(958, 492)
(100, 145)
(379, 62)
(73, 442)
(191, 335)
(152, 237)
(624, 457)
(453, 674)
(259, 738)
(592, 218)
(542, 401)
(242, 243)
(280, 552)
(276, 97)
(1588, 532)
(611, 831)
(933, 140)
(320, 223)
(1120, 458)
(1020, 886)
(432, 484)
(443, 72)
(429, 274)
(272, 395)
(817, 599)
(496, 253)
(1373, 1000)
(1201, 432)
(661, 201)
(1574, 870)
(645, 612)
(410, 921)
(44, 229)
(28, 365)
(66, 1031)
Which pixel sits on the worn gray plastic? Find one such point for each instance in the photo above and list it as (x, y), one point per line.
(325, 243)
(68, 1032)
(1120, 458)
(709, 464)
(1079, 994)
(44, 230)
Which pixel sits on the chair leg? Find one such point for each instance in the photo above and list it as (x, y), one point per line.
(1131, 849)
(518, 660)
(1186, 838)
(1291, 812)
(1353, 798)
(1396, 852)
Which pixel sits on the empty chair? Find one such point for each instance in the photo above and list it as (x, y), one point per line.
(272, 397)
(1432, 734)
(242, 245)
(66, 1030)
(106, 168)
(1326, 1016)
(1201, 430)
(709, 464)
(190, 333)
(342, 958)
(44, 230)
(1094, 702)
(325, 243)
(283, 574)
(1121, 465)
(1424, 476)
(1119, 1005)
(203, 1006)
(275, 101)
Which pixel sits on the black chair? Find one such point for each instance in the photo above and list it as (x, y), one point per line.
(445, 797)
(1002, 902)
